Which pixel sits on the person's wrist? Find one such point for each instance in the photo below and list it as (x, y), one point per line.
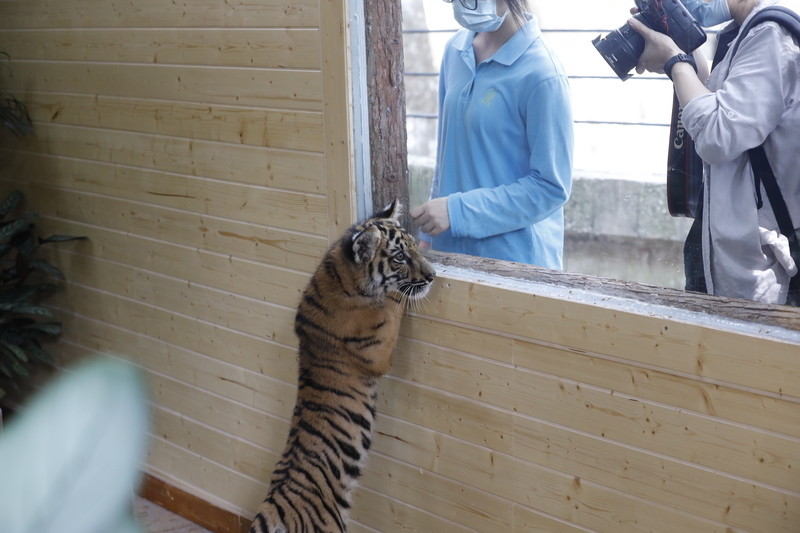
(676, 60)
(682, 69)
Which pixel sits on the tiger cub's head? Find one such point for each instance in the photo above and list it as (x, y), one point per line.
(387, 257)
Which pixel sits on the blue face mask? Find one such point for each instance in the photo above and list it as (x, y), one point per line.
(483, 18)
(708, 14)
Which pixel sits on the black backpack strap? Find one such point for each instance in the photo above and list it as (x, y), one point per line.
(762, 170)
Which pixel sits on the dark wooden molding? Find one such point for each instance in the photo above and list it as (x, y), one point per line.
(192, 507)
(387, 102)
(764, 315)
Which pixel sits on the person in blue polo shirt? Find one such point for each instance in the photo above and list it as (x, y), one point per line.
(504, 163)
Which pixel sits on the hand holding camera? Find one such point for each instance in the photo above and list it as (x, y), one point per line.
(659, 47)
(623, 48)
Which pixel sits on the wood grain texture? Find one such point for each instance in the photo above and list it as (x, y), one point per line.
(338, 120)
(206, 149)
(158, 14)
(290, 212)
(251, 126)
(166, 160)
(762, 410)
(277, 88)
(226, 47)
(655, 338)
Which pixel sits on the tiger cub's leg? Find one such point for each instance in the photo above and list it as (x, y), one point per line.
(262, 525)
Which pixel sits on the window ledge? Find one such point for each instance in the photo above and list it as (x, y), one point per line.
(761, 319)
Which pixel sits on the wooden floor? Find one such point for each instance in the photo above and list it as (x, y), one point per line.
(155, 519)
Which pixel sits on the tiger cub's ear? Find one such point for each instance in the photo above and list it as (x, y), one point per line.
(365, 244)
(393, 211)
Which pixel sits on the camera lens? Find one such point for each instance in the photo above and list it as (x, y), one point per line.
(621, 49)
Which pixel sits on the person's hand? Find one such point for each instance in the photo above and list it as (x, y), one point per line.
(424, 245)
(431, 217)
(658, 48)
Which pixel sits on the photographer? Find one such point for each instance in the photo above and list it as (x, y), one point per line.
(748, 100)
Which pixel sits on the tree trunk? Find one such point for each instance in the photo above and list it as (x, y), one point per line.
(387, 106)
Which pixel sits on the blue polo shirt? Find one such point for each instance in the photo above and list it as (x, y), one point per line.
(505, 150)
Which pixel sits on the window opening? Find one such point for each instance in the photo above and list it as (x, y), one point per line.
(616, 222)
(640, 151)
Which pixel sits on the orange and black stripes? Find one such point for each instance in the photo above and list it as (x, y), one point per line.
(347, 323)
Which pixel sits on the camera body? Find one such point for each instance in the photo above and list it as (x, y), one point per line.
(622, 47)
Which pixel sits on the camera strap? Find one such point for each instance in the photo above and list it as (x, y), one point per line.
(684, 166)
(762, 170)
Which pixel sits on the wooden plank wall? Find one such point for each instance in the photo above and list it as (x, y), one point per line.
(187, 141)
(204, 148)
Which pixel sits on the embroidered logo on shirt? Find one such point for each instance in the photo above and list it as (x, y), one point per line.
(489, 97)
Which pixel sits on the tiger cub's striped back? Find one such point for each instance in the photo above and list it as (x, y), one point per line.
(347, 323)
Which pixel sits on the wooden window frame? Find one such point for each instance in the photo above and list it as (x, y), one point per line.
(389, 171)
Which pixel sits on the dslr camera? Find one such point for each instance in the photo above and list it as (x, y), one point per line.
(622, 47)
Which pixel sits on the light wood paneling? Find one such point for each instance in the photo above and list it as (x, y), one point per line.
(278, 88)
(228, 47)
(708, 441)
(387, 515)
(161, 228)
(57, 14)
(188, 194)
(763, 410)
(206, 149)
(218, 418)
(547, 447)
(232, 453)
(217, 482)
(179, 329)
(93, 158)
(569, 498)
(438, 495)
(682, 347)
(338, 121)
(177, 297)
(220, 272)
(291, 212)
(528, 521)
(252, 126)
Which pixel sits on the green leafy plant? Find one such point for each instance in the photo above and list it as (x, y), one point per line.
(24, 282)
(13, 113)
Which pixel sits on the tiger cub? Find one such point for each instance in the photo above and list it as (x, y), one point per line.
(347, 323)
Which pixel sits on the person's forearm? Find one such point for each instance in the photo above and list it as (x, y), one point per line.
(687, 83)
